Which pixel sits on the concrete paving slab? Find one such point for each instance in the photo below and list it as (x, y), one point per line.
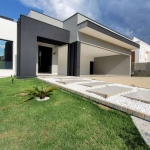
(71, 81)
(143, 96)
(109, 91)
(92, 84)
(66, 78)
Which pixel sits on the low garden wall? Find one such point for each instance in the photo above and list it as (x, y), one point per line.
(140, 69)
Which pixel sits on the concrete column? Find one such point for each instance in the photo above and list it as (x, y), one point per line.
(73, 68)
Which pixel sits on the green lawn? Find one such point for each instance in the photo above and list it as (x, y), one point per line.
(65, 122)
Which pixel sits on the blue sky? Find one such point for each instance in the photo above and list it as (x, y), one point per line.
(129, 17)
(2, 46)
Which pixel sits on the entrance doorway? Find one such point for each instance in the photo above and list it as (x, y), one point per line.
(91, 67)
(44, 59)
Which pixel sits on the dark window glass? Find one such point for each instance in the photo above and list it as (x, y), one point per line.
(6, 54)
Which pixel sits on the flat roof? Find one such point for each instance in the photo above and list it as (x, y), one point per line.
(106, 31)
(106, 28)
(3, 17)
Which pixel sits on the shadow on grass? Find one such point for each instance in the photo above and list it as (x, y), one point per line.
(132, 139)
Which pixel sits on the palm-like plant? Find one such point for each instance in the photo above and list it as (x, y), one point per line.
(40, 92)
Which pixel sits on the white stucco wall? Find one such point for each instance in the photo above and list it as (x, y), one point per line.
(148, 57)
(85, 65)
(46, 19)
(142, 54)
(8, 31)
(62, 60)
(54, 57)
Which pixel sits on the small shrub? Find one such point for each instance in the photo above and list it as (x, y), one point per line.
(40, 92)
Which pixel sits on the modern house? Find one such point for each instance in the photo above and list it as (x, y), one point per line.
(141, 55)
(39, 44)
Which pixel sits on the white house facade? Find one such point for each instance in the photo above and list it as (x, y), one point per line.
(39, 44)
(8, 47)
(141, 55)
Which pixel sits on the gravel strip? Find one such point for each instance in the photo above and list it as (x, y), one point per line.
(116, 99)
(143, 127)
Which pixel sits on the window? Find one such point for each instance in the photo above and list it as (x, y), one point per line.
(6, 54)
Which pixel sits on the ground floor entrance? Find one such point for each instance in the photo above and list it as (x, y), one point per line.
(44, 59)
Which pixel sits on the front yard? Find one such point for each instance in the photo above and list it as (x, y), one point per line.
(66, 121)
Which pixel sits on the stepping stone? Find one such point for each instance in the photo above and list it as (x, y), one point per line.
(143, 96)
(109, 91)
(71, 81)
(92, 84)
(66, 78)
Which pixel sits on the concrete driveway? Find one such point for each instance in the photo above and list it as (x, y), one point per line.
(143, 82)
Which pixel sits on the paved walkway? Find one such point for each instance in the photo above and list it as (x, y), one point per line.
(143, 127)
(117, 100)
(143, 82)
(132, 107)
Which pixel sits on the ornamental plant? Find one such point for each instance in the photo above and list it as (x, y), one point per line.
(40, 91)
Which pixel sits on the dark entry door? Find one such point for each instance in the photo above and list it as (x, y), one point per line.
(91, 67)
(44, 59)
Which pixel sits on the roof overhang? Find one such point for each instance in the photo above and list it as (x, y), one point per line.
(96, 51)
(100, 32)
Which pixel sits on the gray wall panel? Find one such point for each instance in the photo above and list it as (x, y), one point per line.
(119, 65)
(30, 29)
(71, 25)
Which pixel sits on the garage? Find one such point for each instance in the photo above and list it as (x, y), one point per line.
(100, 61)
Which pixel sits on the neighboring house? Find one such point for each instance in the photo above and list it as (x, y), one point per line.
(141, 55)
(76, 46)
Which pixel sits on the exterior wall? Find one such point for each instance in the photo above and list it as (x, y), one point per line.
(148, 57)
(30, 29)
(141, 69)
(71, 25)
(142, 66)
(46, 19)
(62, 60)
(82, 18)
(8, 31)
(118, 65)
(85, 65)
(89, 39)
(142, 54)
(54, 57)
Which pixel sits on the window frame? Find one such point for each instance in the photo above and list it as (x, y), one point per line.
(12, 53)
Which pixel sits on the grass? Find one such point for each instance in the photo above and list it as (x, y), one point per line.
(65, 122)
(2, 64)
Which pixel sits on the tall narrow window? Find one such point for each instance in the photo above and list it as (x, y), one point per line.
(6, 54)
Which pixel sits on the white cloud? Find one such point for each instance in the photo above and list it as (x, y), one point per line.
(122, 30)
(60, 9)
(129, 17)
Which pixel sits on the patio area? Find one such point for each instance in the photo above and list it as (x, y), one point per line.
(143, 82)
